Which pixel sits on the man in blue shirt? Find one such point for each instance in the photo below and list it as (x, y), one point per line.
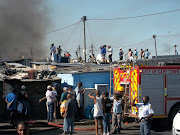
(118, 114)
(146, 53)
(11, 105)
(103, 53)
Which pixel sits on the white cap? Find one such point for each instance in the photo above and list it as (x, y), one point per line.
(120, 48)
(23, 87)
(49, 87)
(134, 48)
(65, 89)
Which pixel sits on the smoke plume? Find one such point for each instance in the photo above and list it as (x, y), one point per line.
(21, 22)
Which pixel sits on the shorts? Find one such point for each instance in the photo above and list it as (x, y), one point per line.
(98, 117)
(103, 56)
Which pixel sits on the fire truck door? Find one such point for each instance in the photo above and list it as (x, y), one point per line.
(153, 86)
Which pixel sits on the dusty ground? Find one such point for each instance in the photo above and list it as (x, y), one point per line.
(128, 129)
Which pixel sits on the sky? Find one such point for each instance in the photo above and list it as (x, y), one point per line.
(117, 33)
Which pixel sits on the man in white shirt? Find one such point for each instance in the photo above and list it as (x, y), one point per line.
(50, 103)
(110, 51)
(145, 113)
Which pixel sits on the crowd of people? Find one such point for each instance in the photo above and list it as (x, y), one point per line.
(130, 55)
(23, 107)
(106, 108)
(55, 54)
(112, 108)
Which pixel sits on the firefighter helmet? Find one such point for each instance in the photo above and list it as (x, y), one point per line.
(121, 88)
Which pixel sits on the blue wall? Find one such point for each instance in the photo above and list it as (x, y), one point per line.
(89, 79)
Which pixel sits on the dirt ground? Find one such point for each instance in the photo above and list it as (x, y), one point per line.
(43, 129)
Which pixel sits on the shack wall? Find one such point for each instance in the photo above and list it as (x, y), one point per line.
(36, 90)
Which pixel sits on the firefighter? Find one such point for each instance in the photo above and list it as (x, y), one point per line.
(121, 92)
(145, 114)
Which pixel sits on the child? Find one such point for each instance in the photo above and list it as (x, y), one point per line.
(107, 112)
(98, 110)
(117, 114)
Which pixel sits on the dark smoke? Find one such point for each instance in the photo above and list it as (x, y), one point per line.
(21, 22)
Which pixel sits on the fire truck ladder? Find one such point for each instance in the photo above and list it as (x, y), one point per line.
(111, 79)
(127, 98)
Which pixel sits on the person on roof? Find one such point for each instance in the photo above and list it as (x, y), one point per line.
(121, 53)
(146, 54)
(130, 55)
(142, 54)
(135, 54)
(110, 52)
(103, 53)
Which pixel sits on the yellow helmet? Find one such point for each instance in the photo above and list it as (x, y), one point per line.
(121, 88)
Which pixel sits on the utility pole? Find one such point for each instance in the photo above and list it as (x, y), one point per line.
(84, 20)
(175, 48)
(92, 49)
(154, 36)
(169, 42)
(79, 50)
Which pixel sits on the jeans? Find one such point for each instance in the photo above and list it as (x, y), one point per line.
(110, 58)
(11, 115)
(116, 122)
(50, 111)
(68, 123)
(145, 128)
(106, 122)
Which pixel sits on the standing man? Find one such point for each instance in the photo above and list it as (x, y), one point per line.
(121, 53)
(55, 86)
(107, 112)
(50, 103)
(68, 116)
(79, 98)
(53, 52)
(130, 55)
(145, 113)
(110, 51)
(118, 113)
(135, 54)
(11, 105)
(23, 107)
(103, 53)
(59, 51)
(142, 54)
(146, 53)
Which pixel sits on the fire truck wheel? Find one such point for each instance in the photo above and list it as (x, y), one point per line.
(173, 112)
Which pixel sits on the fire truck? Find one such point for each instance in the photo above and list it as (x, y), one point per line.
(160, 83)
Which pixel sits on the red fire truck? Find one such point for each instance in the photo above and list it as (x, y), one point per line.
(160, 83)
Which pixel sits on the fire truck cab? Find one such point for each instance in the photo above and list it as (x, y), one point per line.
(160, 83)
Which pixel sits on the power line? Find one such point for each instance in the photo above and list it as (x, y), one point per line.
(60, 28)
(136, 43)
(139, 16)
(167, 50)
(169, 35)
